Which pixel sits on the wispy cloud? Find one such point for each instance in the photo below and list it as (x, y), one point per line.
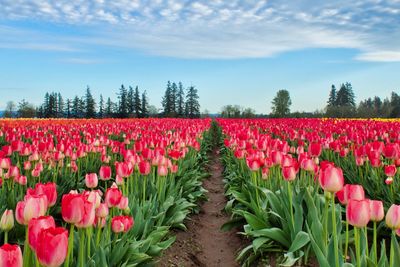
(210, 29)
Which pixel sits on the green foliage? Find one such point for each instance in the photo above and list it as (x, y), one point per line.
(281, 104)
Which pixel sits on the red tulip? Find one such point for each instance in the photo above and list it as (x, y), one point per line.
(113, 196)
(89, 212)
(49, 190)
(52, 246)
(315, 149)
(144, 167)
(358, 212)
(105, 173)
(72, 208)
(35, 226)
(331, 179)
(10, 256)
(289, 173)
(390, 170)
(393, 217)
(91, 180)
(376, 210)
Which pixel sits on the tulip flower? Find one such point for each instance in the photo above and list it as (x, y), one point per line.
(121, 224)
(10, 256)
(350, 191)
(289, 173)
(31, 207)
(91, 180)
(331, 179)
(105, 173)
(7, 223)
(113, 196)
(393, 217)
(72, 208)
(377, 214)
(52, 246)
(35, 226)
(390, 170)
(48, 189)
(144, 167)
(315, 149)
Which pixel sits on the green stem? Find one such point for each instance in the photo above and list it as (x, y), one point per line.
(346, 246)
(6, 237)
(70, 246)
(366, 241)
(391, 264)
(334, 233)
(290, 203)
(357, 241)
(27, 251)
(89, 238)
(374, 246)
(326, 208)
(82, 248)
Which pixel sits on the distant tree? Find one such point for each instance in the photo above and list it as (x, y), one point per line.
(153, 111)
(101, 106)
(89, 104)
(123, 102)
(137, 103)
(109, 108)
(10, 109)
(167, 101)
(26, 110)
(68, 108)
(60, 106)
(345, 96)
(144, 105)
(281, 104)
(130, 101)
(180, 101)
(395, 105)
(332, 97)
(174, 95)
(192, 103)
(248, 113)
(75, 112)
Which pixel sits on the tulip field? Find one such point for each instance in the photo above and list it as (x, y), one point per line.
(301, 192)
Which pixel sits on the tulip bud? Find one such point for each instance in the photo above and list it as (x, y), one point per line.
(393, 217)
(7, 221)
(91, 180)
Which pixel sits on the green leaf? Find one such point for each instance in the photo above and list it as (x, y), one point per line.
(274, 233)
(300, 241)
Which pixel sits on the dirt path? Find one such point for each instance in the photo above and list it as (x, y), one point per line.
(204, 244)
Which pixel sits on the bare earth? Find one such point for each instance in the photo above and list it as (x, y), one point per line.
(204, 244)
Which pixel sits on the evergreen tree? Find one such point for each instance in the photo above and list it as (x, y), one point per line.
(75, 107)
(90, 104)
(332, 97)
(345, 96)
(101, 106)
(130, 100)
(174, 94)
(60, 106)
(137, 105)
(166, 101)
(192, 103)
(395, 105)
(68, 108)
(46, 110)
(144, 105)
(109, 108)
(180, 101)
(123, 102)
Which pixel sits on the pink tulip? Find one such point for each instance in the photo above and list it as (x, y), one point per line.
(376, 210)
(91, 180)
(113, 196)
(52, 246)
(105, 173)
(72, 208)
(144, 167)
(289, 173)
(31, 207)
(162, 170)
(390, 170)
(35, 226)
(331, 179)
(350, 191)
(10, 256)
(121, 224)
(393, 217)
(48, 189)
(102, 211)
(358, 212)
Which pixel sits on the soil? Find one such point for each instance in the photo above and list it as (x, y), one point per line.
(204, 244)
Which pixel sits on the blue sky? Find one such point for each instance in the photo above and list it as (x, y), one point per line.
(234, 52)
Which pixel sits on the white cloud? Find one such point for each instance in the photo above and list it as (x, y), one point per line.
(210, 29)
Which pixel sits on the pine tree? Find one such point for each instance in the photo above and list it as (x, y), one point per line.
(123, 102)
(46, 110)
(109, 108)
(166, 101)
(192, 103)
(145, 105)
(281, 104)
(68, 108)
(130, 100)
(137, 103)
(101, 106)
(75, 107)
(332, 97)
(180, 101)
(60, 108)
(90, 104)
(174, 94)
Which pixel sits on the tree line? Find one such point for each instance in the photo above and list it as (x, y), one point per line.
(130, 103)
